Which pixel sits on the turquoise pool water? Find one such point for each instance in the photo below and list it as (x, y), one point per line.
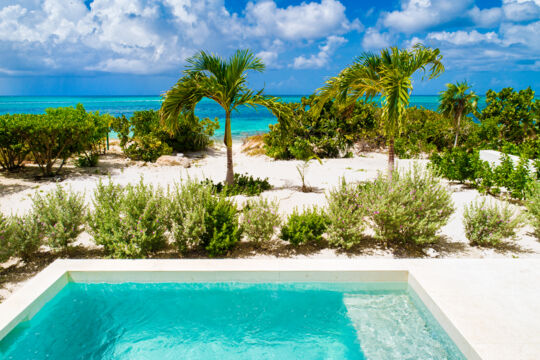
(231, 321)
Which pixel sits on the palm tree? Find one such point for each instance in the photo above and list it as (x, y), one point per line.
(224, 81)
(457, 103)
(388, 75)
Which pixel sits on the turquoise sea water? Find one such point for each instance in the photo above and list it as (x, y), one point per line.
(246, 121)
(230, 321)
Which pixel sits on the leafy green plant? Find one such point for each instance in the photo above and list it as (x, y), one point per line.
(409, 208)
(13, 148)
(304, 227)
(26, 236)
(260, 220)
(244, 184)
(489, 224)
(199, 219)
(5, 246)
(346, 212)
(128, 222)
(61, 214)
(457, 164)
(533, 206)
(302, 168)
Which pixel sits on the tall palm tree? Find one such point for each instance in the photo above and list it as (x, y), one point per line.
(456, 102)
(388, 75)
(225, 82)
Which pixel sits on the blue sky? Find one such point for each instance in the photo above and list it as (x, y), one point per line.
(138, 47)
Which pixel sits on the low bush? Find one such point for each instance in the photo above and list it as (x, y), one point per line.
(5, 246)
(458, 164)
(260, 220)
(143, 138)
(409, 208)
(13, 148)
(304, 227)
(243, 185)
(533, 206)
(26, 236)
(489, 224)
(128, 221)
(346, 211)
(61, 214)
(198, 219)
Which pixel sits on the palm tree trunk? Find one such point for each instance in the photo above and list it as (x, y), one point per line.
(229, 179)
(457, 129)
(390, 157)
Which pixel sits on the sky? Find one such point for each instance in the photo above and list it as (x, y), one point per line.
(139, 47)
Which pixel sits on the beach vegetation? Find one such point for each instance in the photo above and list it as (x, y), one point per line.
(25, 235)
(408, 208)
(260, 219)
(533, 206)
(389, 75)
(244, 184)
(128, 221)
(488, 224)
(5, 246)
(346, 215)
(225, 82)
(61, 214)
(305, 227)
(457, 101)
(13, 148)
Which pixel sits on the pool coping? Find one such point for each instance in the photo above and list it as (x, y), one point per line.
(447, 294)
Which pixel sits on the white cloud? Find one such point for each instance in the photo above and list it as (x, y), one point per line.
(521, 10)
(322, 57)
(526, 35)
(417, 15)
(305, 21)
(486, 17)
(374, 39)
(463, 37)
(152, 36)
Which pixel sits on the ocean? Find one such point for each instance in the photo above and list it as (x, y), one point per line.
(246, 121)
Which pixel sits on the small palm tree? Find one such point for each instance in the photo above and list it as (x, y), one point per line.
(456, 102)
(388, 75)
(225, 82)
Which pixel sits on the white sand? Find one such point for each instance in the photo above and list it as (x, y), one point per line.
(283, 175)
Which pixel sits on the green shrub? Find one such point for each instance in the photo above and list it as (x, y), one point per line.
(458, 164)
(5, 246)
(243, 185)
(533, 206)
(143, 138)
(346, 211)
(198, 219)
(128, 222)
(61, 214)
(260, 220)
(409, 208)
(13, 149)
(489, 224)
(305, 227)
(26, 236)
(300, 134)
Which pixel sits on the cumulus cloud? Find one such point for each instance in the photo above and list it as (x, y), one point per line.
(153, 36)
(322, 57)
(526, 35)
(521, 10)
(373, 39)
(417, 15)
(464, 38)
(486, 17)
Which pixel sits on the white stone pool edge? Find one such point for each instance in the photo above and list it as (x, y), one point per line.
(487, 307)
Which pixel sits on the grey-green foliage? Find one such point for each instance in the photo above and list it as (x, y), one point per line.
(128, 221)
(260, 220)
(410, 207)
(533, 206)
(25, 236)
(490, 224)
(186, 214)
(61, 214)
(198, 219)
(345, 212)
(5, 246)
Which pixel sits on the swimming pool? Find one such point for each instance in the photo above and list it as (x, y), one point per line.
(231, 320)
